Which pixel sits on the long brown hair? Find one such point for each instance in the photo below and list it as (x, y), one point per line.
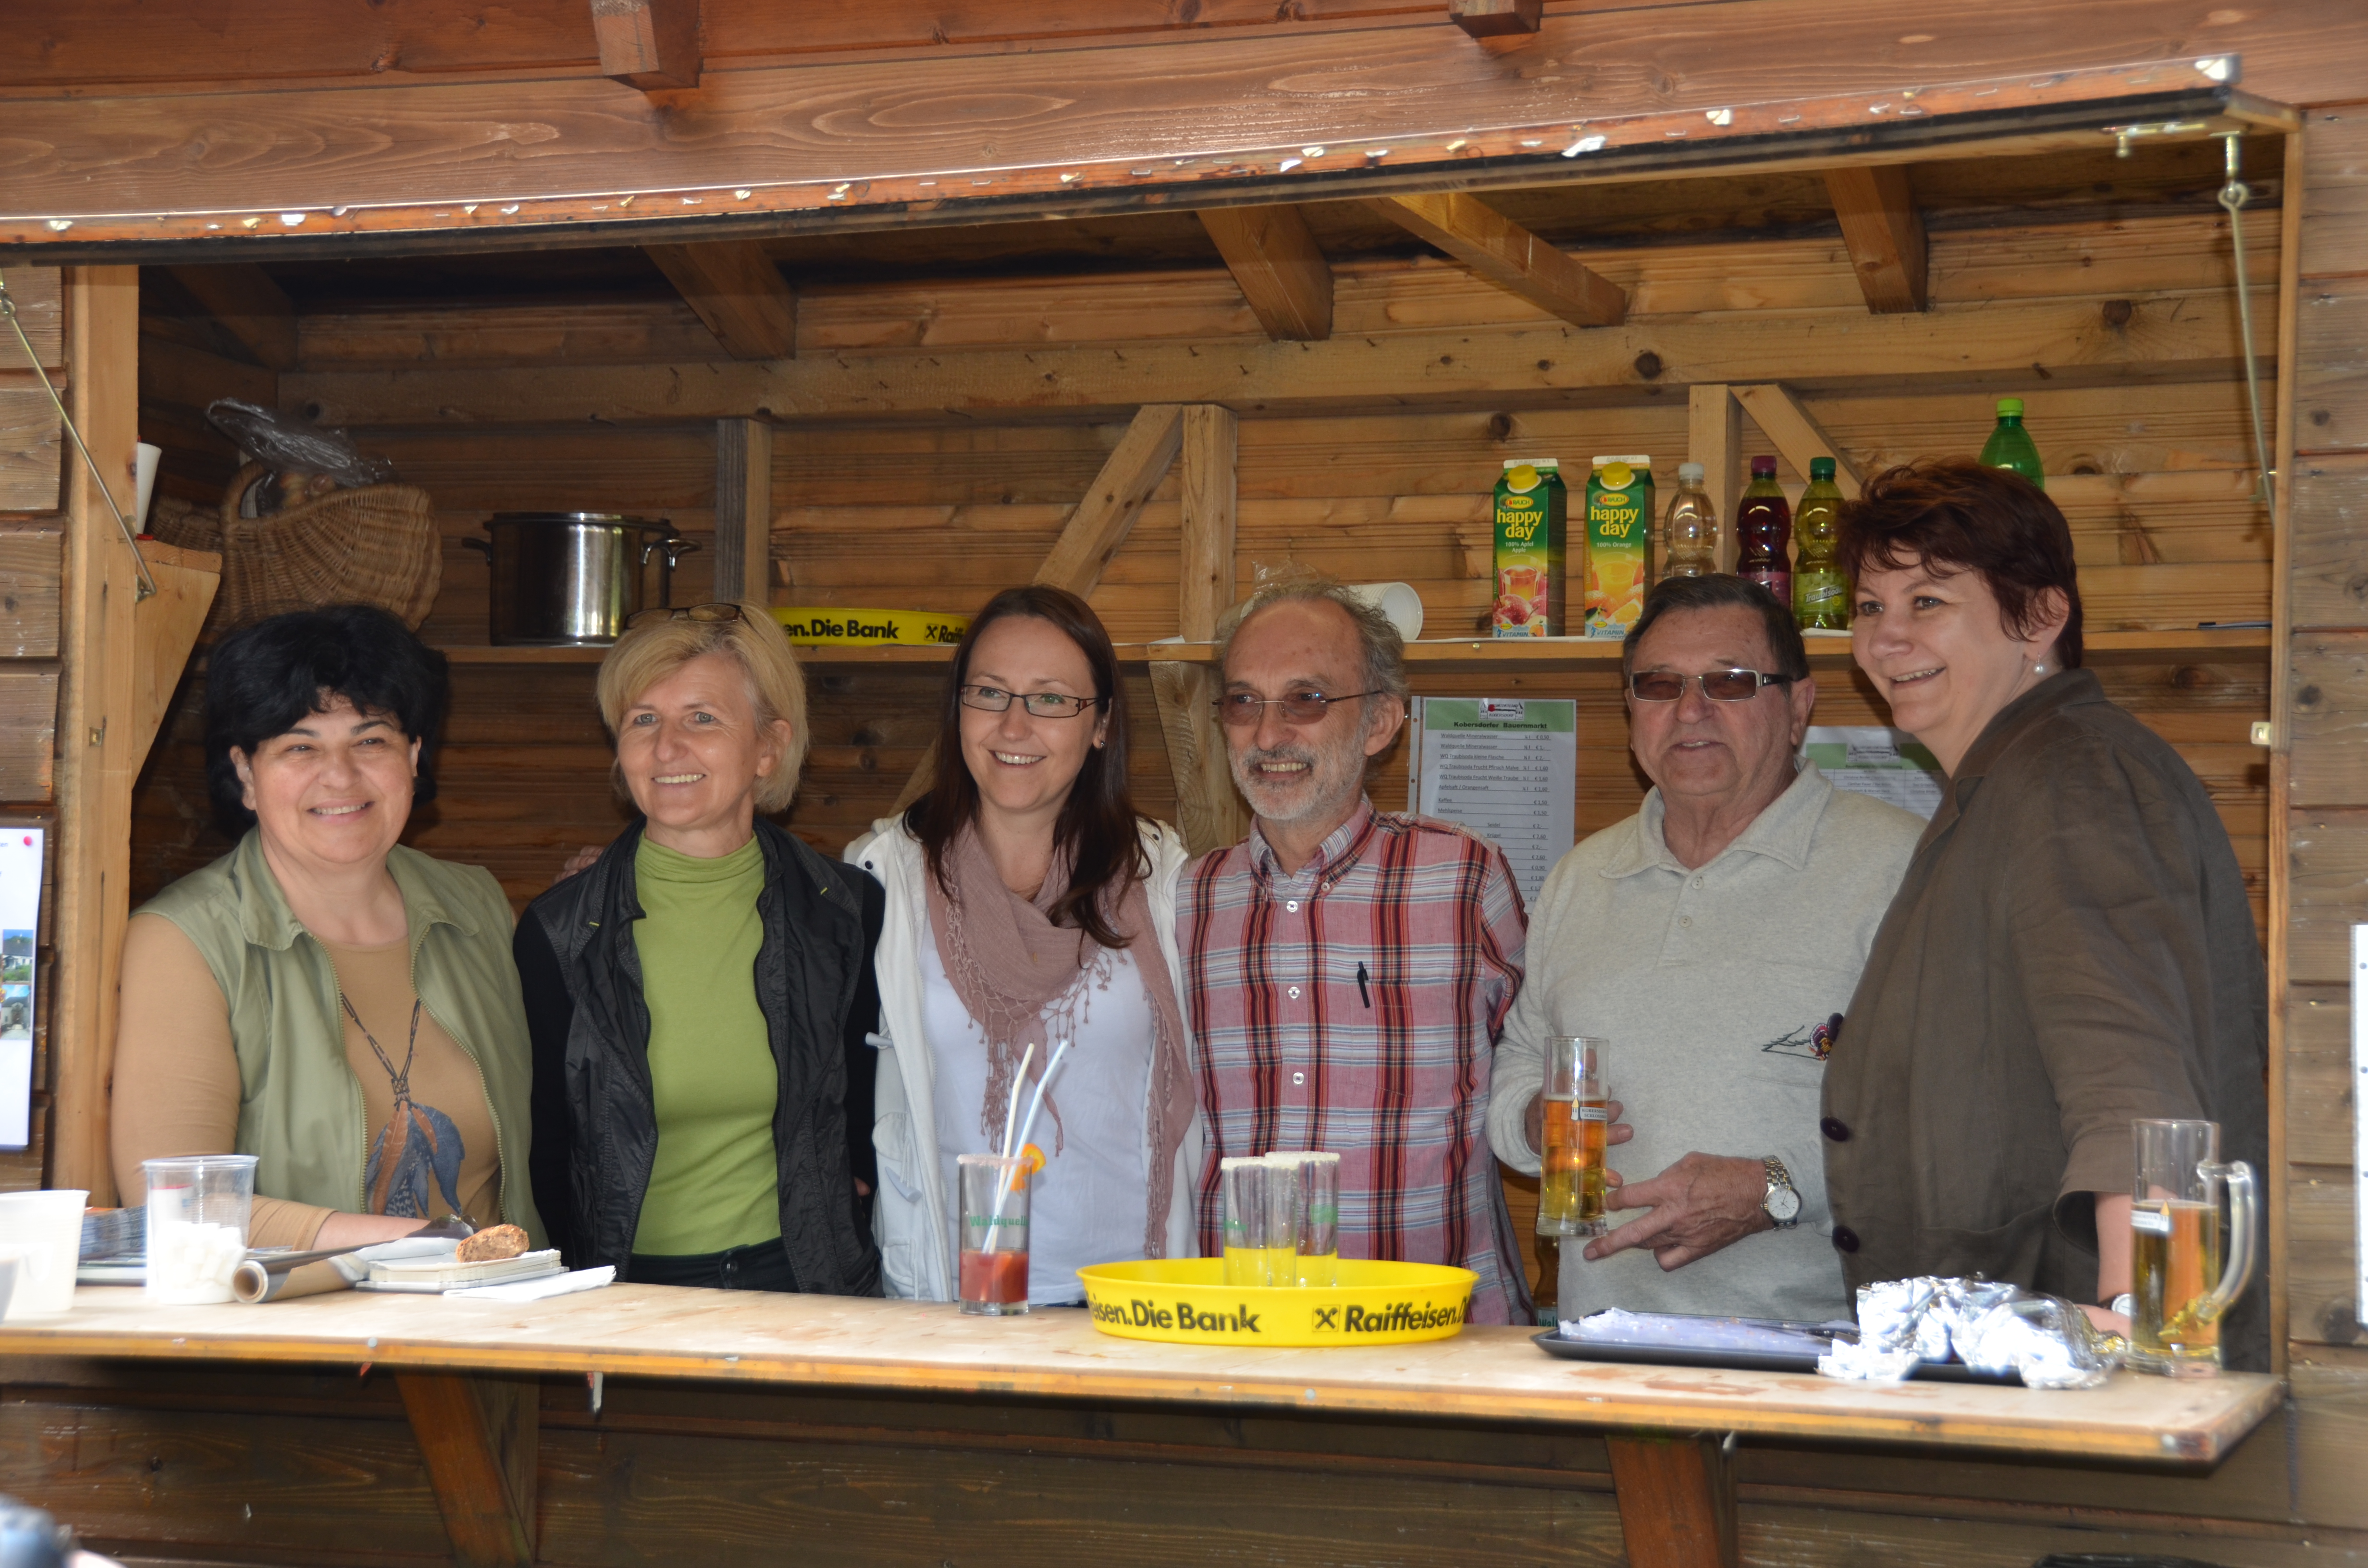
(1097, 824)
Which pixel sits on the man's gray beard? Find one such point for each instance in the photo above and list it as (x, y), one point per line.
(1333, 780)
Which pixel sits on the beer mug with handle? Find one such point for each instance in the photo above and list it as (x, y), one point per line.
(2179, 1285)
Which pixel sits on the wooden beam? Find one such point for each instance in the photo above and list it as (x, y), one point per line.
(1100, 522)
(164, 628)
(1207, 810)
(480, 1437)
(1677, 1500)
(1497, 18)
(734, 287)
(1715, 439)
(96, 758)
(1511, 256)
(1885, 234)
(1282, 271)
(1795, 432)
(649, 44)
(250, 306)
(743, 510)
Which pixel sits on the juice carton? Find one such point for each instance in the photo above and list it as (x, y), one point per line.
(1532, 508)
(1618, 543)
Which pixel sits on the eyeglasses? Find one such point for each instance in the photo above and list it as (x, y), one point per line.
(713, 612)
(1719, 686)
(1240, 709)
(1039, 704)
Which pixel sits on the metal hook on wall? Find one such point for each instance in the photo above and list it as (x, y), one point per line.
(130, 534)
(2232, 197)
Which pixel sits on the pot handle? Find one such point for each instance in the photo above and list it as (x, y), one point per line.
(484, 545)
(676, 547)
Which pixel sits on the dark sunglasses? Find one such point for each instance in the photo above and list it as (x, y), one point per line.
(713, 612)
(1240, 709)
(1719, 686)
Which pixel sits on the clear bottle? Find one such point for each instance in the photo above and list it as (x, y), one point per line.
(2011, 447)
(1690, 532)
(1820, 592)
(1764, 533)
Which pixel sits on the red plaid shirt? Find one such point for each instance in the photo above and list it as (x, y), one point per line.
(1356, 1008)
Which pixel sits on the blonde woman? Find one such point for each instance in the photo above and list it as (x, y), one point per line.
(698, 995)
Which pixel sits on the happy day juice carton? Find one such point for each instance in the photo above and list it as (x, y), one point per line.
(1618, 543)
(1531, 513)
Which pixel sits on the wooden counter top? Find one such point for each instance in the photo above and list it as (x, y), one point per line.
(643, 1331)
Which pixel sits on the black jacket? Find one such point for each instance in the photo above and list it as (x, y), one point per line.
(595, 1121)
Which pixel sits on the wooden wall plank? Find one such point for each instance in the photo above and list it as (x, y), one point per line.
(28, 728)
(2335, 192)
(2328, 723)
(2329, 506)
(2331, 382)
(250, 305)
(192, 378)
(30, 560)
(32, 444)
(40, 310)
(743, 510)
(2330, 847)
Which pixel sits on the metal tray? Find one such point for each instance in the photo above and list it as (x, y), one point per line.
(1554, 1344)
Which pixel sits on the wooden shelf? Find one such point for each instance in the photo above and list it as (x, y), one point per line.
(1577, 655)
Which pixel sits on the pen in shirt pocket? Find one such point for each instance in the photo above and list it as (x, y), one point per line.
(1363, 994)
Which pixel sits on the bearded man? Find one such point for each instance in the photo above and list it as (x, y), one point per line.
(1348, 971)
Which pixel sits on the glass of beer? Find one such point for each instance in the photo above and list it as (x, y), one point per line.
(1261, 1194)
(1570, 1159)
(2179, 1285)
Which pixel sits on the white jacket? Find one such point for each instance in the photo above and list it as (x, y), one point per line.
(909, 1215)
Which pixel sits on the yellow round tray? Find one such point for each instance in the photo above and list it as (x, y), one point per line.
(1185, 1300)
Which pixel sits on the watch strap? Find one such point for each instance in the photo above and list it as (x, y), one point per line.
(1780, 1180)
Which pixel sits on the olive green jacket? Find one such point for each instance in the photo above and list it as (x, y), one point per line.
(299, 1106)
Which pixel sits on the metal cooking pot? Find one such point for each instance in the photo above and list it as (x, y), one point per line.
(572, 578)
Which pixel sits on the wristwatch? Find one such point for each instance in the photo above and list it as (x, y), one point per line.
(1783, 1201)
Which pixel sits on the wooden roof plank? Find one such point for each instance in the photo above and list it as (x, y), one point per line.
(1508, 255)
(1279, 267)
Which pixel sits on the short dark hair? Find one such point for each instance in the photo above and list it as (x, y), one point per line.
(1098, 826)
(262, 680)
(1723, 590)
(1951, 513)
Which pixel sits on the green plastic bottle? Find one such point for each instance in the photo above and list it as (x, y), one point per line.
(1820, 592)
(2010, 446)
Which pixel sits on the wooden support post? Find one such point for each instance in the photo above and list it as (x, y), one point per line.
(1501, 252)
(1495, 18)
(97, 758)
(1677, 1500)
(165, 630)
(1885, 234)
(649, 44)
(1097, 525)
(1795, 432)
(1282, 271)
(250, 306)
(481, 1437)
(734, 287)
(1207, 810)
(743, 510)
(1715, 439)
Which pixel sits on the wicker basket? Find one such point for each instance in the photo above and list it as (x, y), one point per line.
(377, 545)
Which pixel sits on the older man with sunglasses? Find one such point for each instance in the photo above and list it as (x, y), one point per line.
(1346, 971)
(1714, 939)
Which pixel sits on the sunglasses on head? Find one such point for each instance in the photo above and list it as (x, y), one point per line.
(1719, 686)
(694, 612)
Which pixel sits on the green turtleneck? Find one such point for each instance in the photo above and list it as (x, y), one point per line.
(714, 1184)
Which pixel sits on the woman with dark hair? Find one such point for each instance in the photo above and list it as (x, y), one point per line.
(2071, 949)
(1028, 904)
(338, 1006)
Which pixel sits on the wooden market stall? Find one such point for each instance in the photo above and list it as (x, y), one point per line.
(899, 305)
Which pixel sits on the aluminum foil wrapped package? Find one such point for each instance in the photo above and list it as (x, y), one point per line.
(1989, 1326)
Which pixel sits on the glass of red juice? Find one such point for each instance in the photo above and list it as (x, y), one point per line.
(994, 1235)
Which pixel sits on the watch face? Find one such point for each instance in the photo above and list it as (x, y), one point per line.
(1783, 1204)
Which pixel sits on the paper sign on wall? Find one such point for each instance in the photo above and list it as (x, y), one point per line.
(1505, 768)
(1890, 765)
(20, 922)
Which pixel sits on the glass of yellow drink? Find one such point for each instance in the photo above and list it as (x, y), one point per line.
(1261, 1195)
(2179, 1286)
(1577, 1115)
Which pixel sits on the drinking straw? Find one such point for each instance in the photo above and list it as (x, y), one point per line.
(1007, 1180)
(1019, 1082)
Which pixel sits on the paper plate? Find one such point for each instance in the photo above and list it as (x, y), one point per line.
(1187, 1302)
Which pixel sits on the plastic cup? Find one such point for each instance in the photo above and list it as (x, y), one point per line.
(993, 1275)
(198, 1212)
(43, 1232)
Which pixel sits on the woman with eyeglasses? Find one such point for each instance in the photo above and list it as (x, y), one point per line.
(699, 997)
(2072, 949)
(1028, 906)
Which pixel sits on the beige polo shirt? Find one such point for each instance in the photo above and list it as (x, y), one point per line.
(1719, 989)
